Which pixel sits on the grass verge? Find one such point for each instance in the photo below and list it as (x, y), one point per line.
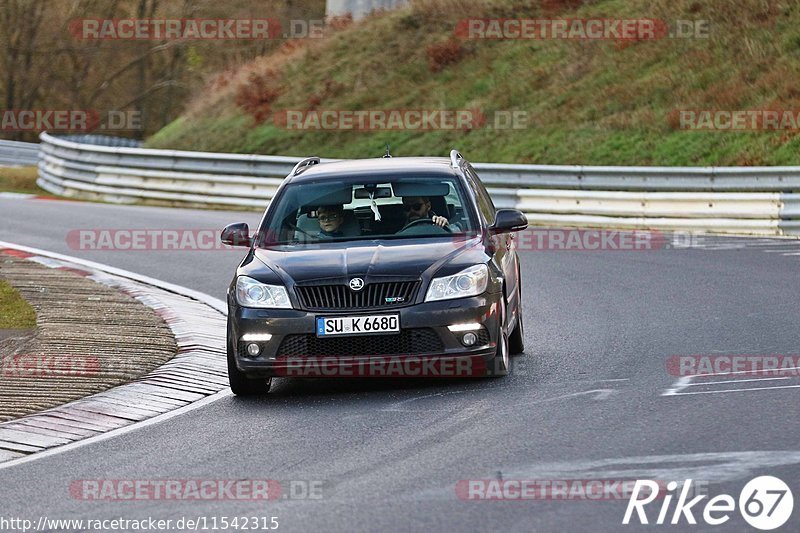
(15, 312)
(20, 179)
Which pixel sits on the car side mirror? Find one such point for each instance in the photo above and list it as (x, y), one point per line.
(508, 220)
(236, 235)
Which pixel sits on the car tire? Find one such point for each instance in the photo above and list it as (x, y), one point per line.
(500, 365)
(241, 385)
(516, 341)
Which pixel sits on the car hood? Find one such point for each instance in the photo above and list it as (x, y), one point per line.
(339, 262)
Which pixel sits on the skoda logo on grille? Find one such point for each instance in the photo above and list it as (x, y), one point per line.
(356, 284)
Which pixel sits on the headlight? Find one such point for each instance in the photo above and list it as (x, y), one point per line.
(469, 282)
(252, 293)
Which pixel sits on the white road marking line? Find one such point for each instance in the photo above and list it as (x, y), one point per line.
(774, 243)
(715, 467)
(678, 386)
(584, 381)
(736, 390)
(687, 381)
(712, 468)
(396, 406)
(746, 372)
(600, 394)
(732, 381)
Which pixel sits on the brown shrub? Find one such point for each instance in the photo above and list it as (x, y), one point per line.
(784, 138)
(220, 81)
(673, 119)
(725, 94)
(256, 95)
(340, 22)
(554, 7)
(330, 89)
(622, 44)
(746, 160)
(442, 54)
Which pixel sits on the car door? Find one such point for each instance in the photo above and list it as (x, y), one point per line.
(504, 255)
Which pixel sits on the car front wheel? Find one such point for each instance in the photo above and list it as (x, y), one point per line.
(500, 364)
(516, 342)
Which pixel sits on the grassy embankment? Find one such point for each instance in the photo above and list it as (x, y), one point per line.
(15, 313)
(588, 102)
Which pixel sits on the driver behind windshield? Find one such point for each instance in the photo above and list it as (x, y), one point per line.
(330, 219)
(417, 207)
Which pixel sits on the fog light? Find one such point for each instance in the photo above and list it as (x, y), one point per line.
(256, 337)
(473, 326)
(253, 349)
(469, 339)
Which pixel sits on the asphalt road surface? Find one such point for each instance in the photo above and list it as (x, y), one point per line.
(592, 397)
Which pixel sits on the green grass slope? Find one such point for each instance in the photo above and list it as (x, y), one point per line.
(15, 312)
(587, 101)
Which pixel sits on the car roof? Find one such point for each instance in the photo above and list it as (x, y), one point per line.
(379, 165)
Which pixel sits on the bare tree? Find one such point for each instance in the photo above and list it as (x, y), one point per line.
(20, 23)
(45, 65)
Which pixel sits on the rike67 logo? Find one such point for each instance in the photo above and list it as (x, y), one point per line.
(765, 503)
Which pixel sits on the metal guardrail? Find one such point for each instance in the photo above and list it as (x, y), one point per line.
(102, 140)
(17, 154)
(753, 200)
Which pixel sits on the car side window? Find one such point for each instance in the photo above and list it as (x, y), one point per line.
(485, 203)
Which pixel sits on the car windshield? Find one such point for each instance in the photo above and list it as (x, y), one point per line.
(367, 208)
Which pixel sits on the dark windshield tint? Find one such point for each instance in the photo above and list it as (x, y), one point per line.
(366, 208)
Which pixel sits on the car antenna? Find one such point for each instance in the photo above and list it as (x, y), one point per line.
(387, 154)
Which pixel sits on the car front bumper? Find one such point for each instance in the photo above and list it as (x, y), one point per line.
(425, 346)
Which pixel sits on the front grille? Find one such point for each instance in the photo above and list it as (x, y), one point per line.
(407, 342)
(483, 337)
(372, 296)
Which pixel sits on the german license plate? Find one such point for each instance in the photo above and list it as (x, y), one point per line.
(357, 325)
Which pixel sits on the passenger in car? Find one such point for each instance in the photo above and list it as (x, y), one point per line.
(417, 207)
(331, 218)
